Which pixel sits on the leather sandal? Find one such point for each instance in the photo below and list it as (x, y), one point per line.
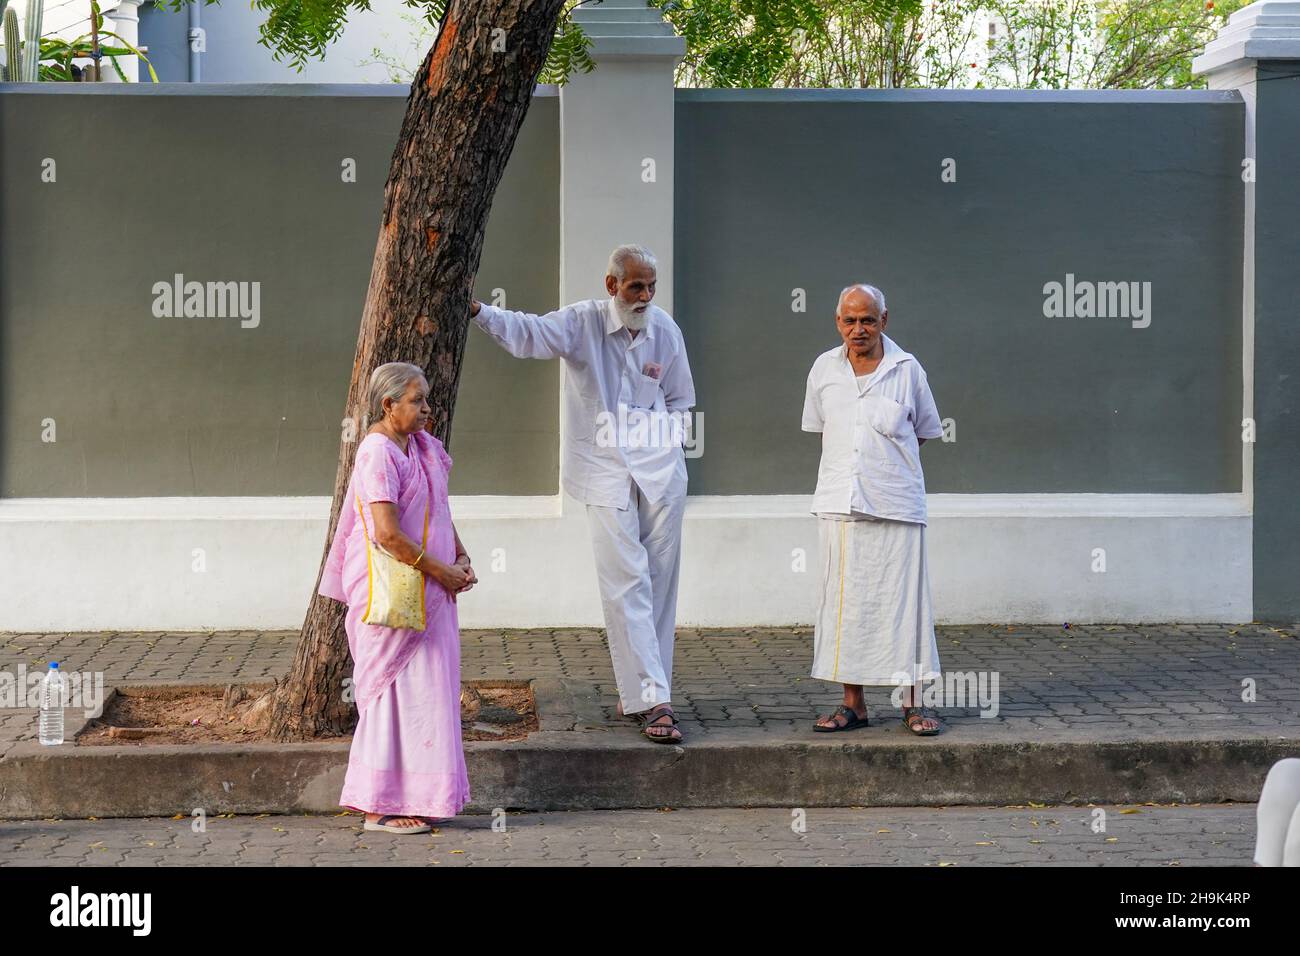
(652, 717)
(853, 721)
(913, 717)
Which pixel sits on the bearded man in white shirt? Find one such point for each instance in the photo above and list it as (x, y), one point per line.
(628, 391)
(871, 402)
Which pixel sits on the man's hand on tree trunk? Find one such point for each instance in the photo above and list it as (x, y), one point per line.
(475, 305)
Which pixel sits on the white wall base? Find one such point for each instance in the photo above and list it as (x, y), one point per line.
(105, 564)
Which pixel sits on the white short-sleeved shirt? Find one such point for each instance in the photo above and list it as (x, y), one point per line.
(612, 378)
(871, 462)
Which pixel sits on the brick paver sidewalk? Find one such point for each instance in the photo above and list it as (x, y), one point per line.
(1084, 682)
(958, 836)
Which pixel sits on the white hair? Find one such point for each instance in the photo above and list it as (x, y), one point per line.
(618, 260)
(871, 290)
(389, 381)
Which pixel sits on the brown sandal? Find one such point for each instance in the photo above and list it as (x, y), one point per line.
(913, 716)
(651, 718)
(851, 720)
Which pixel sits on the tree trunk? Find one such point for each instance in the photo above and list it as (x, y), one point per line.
(463, 115)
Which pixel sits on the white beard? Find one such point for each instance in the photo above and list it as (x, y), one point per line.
(629, 317)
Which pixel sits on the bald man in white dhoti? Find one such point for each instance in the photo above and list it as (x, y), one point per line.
(626, 366)
(871, 402)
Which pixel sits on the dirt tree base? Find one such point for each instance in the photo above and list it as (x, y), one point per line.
(237, 714)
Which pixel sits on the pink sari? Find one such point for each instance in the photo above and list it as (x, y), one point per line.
(406, 755)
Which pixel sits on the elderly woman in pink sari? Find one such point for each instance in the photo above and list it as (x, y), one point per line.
(406, 768)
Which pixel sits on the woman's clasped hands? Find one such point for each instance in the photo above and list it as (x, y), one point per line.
(456, 578)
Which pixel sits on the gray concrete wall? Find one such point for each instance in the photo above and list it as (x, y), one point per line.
(1277, 343)
(782, 190)
(775, 191)
(234, 183)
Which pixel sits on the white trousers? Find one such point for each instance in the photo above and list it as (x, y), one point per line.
(638, 556)
(1277, 817)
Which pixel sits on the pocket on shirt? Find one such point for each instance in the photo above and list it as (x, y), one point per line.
(888, 417)
(647, 390)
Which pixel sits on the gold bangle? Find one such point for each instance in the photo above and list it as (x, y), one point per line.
(416, 562)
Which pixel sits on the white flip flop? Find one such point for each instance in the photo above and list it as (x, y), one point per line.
(382, 824)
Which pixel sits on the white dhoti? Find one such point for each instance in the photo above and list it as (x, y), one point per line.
(875, 624)
(638, 556)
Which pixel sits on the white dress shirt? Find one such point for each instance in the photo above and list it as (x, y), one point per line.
(613, 373)
(871, 462)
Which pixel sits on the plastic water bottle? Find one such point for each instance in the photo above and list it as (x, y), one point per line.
(52, 706)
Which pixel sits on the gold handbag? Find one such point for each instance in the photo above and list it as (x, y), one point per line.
(396, 588)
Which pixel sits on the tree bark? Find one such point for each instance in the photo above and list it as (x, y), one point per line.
(463, 114)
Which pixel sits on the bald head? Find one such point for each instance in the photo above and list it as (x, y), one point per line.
(861, 289)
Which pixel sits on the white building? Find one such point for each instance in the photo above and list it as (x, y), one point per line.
(219, 44)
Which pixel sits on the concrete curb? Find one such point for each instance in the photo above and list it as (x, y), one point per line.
(567, 765)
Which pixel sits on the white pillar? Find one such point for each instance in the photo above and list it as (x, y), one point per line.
(1261, 43)
(616, 148)
(124, 20)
